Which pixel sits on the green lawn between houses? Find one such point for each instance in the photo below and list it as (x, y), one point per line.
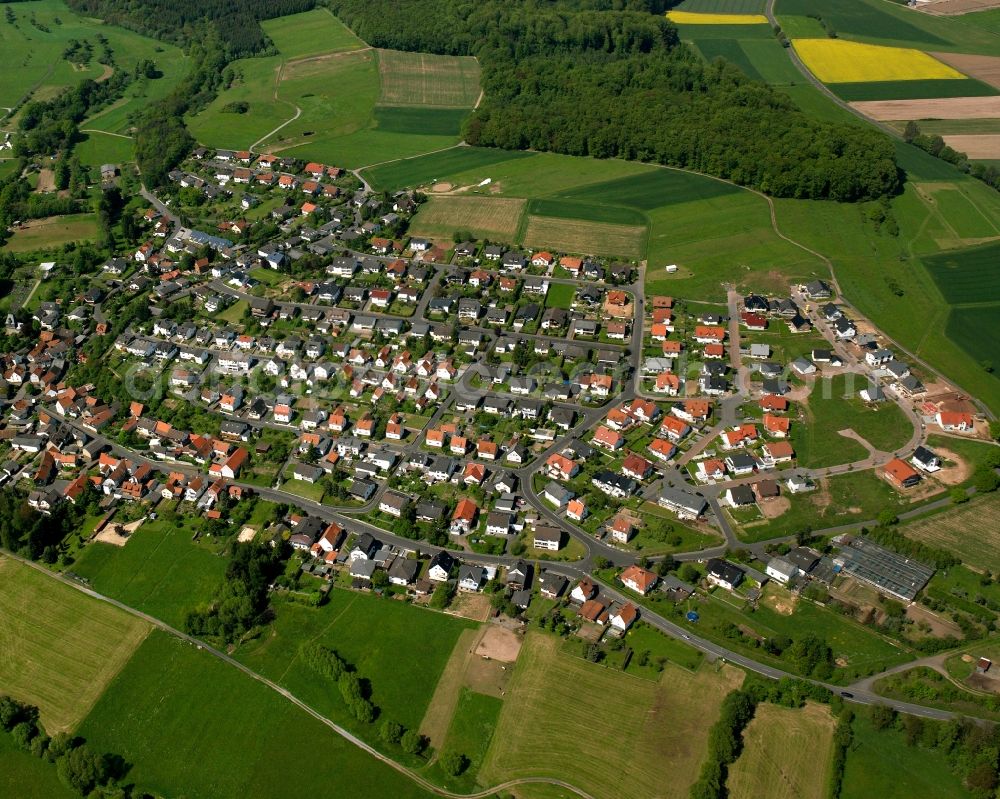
(375, 635)
(192, 725)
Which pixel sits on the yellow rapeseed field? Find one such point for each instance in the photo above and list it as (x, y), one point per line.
(840, 61)
(695, 18)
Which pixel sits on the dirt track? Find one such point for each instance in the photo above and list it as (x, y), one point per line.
(938, 108)
(975, 146)
(982, 67)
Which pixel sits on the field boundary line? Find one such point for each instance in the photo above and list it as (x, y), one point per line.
(105, 132)
(341, 731)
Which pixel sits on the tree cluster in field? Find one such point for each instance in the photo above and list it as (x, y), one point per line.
(236, 21)
(80, 768)
(594, 78)
(241, 602)
(356, 694)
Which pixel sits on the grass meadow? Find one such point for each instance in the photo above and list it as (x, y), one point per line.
(881, 764)
(372, 634)
(588, 238)
(484, 217)
(159, 571)
(723, 6)
(787, 754)
(53, 232)
(911, 89)
(967, 275)
(560, 713)
(192, 725)
(472, 726)
(61, 648)
(97, 148)
(423, 79)
(31, 58)
(27, 777)
(310, 33)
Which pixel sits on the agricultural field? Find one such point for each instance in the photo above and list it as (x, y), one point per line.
(787, 754)
(965, 328)
(722, 6)
(833, 406)
(879, 763)
(968, 275)
(159, 570)
(560, 712)
(53, 232)
(484, 217)
(871, 90)
(27, 777)
(423, 79)
(841, 61)
(984, 68)
(171, 704)
(955, 109)
(971, 531)
(405, 119)
(310, 33)
(976, 146)
(348, 623)
(31, 59)
(589, 238)
(762, 58)
(472, 726)
(708, 18)
(652, 189)
(426, 169)
(730, 50)
(61, 648)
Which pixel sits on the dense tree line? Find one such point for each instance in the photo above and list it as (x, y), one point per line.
(584, 79)
(178, 21)
(241, 603)
(80, 768)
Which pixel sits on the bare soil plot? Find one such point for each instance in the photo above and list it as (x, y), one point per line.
(982, 67)
(774, 507)
(471, 606)
(499, 643)
(431, 80)
(958, 472)
(442, 706)
(118, 534)
(59, 649)
(787, 754)
(483, 217)
(943, 8)
(585, 237)
(563, 715)
(939, 626)
(46, 181)
(938, 108)
(975, 145)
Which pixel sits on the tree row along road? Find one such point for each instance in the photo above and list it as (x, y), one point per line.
(343, 733)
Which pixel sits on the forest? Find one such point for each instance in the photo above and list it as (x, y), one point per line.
(611, 80)
(179, 21)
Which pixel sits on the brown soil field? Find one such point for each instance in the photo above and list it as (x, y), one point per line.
(46, 181)
(773, 508)
(484, 217)
(945, 8)
(982, 67)
(975, 146)
(499, 643)
(938, 108)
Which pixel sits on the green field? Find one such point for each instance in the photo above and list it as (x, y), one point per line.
(560, 295)
(97, 148)
(729, 50)
(862, 19)
(27, 777)
(310, 33)
(60, 648)
(969, 275)
(159, 571)
(31, 58)
(833, 406)
(643, 638)
(771, 61)
(911, 89)
(655, 188)
(588, 238)
(53, 232)
(588, 211)
(419, 170)
(406, 119)
(561, 712)
(965, 328)
(171, 705)
(881, 764)
(472, 727)
(372, 634)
